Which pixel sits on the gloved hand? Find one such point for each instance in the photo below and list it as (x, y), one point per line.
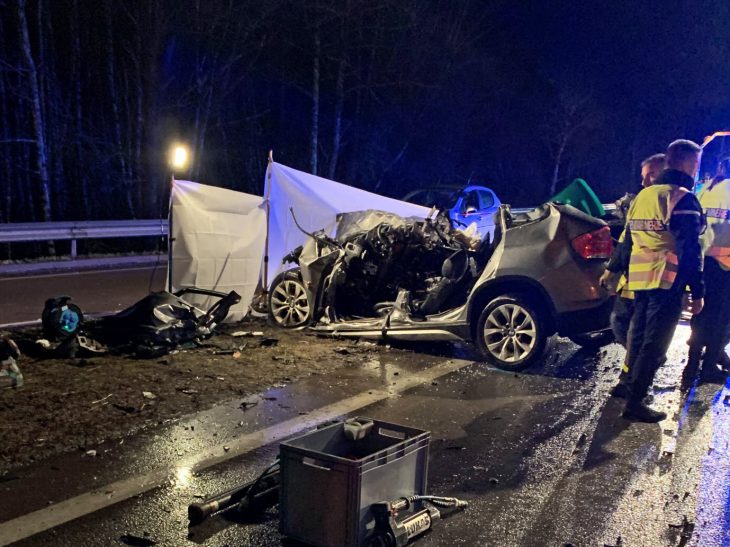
(609, 281)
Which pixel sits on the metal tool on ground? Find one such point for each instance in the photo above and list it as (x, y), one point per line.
(390, 531)
(252, 497)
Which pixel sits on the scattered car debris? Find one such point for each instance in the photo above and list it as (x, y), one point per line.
(10, 375)
(240, 333)
(101, 400)
(125, 408)
(43, 343)
(156, 325)
(60, 318)
(149, 395)
(91, 453)
(245, 405)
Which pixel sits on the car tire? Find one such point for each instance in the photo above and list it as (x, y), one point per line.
(288, 304)
(593, 340)
(511, 332)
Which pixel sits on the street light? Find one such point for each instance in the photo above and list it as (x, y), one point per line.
(179, 157)
(178, 160)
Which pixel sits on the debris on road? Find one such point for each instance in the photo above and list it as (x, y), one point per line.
(91, 453)
(269, 342)
(245, 405)
(240, 333)
(149, 395)
(101, 400)
(125, 408)
(10, 375)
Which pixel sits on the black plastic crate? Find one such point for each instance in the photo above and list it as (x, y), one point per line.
(329, 481)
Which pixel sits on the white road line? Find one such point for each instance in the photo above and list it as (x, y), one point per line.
(84, 504)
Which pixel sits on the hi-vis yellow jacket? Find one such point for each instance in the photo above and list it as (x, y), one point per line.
(654, 263)
(715, 201)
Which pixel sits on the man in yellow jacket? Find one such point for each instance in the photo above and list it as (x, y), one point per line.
(614, 278)
(710, 328)
(663, 229)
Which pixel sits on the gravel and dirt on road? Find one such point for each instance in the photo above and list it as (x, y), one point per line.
(76, 403)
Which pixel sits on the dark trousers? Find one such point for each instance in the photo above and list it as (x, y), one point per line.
(623, 310)
(656, 313)
(710, 329)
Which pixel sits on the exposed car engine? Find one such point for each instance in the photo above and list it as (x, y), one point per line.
(378, 255)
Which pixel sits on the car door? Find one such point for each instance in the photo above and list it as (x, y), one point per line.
(488, 205)
(466, 211)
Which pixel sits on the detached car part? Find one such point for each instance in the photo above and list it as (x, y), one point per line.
(60, 318)
(164, 319)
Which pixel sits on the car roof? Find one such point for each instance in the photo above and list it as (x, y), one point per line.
(451, 188)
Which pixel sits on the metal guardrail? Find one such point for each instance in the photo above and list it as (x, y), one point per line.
(87, 229)
(100, 229)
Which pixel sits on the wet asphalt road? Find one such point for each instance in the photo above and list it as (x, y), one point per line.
(22, 298)
(543, 458)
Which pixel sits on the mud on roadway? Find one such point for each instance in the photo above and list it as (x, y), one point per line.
(77, 404)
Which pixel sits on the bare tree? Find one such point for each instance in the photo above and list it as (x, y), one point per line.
(574, 116)
(36, 111)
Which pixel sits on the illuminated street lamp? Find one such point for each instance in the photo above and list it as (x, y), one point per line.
(178, 160)
(179, 157)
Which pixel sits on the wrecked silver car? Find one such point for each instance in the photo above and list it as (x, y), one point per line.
(384, 276)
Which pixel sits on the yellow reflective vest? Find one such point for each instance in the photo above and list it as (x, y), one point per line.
(715, 201)
(654, 262)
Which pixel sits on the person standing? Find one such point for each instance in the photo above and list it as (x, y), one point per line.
(614, 278)
(663, 230)
(711, 327)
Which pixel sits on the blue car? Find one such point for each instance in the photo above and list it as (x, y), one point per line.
(465, 205)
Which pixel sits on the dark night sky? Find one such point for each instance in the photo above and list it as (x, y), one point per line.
(434, 92)
(664, 62)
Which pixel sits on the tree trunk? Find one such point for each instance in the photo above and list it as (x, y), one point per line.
(556, 167)
(116, 120)
(36, 115)
(314, 137)
(337, 136)
(78, 113)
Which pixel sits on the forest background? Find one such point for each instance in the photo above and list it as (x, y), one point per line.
(385, 95)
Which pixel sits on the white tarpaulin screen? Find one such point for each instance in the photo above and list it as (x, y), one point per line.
(219, 234)
(218, 242)
(316, 202)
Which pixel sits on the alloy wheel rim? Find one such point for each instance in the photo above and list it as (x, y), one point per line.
(510, 333)
(289, 305)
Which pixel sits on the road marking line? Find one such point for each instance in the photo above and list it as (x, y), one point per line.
(84, 504)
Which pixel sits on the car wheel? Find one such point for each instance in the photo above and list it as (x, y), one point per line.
(511, 333)
(288, 304)
(593, 340)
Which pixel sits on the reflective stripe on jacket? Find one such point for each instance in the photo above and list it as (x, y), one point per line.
(654, 262)
(715, 200)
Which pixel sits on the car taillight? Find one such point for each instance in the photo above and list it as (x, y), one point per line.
(595, 244)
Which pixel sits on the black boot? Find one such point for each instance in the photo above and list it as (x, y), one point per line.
(724, 361)
(690, 370)
(711, 374)
(620, 391)
(639, 412)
